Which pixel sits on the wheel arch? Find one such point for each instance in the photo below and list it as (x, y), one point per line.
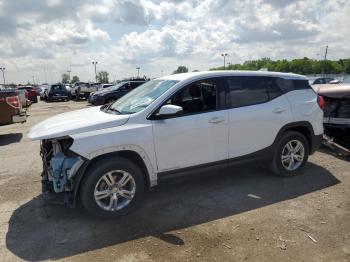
(303, 127)
(136, 156)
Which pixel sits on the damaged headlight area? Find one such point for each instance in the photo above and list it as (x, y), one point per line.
(60, 165)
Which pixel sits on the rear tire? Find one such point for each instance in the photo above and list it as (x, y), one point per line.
(291, 154)
(103, 194)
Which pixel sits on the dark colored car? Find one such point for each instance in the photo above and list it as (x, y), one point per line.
(320, 80)
(31, 93)
(113, 93)
(57, 92)
(10, 108)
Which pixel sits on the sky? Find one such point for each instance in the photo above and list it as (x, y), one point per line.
(42, 39)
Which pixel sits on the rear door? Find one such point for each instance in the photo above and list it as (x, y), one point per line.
(197, 136)
(258, 110)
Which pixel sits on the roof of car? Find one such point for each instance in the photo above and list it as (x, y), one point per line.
(185, 76)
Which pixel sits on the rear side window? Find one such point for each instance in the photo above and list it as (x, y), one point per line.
(272, 88)
(287, 85)
(246, 90)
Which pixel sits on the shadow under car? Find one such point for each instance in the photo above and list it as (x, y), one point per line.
(38, 231)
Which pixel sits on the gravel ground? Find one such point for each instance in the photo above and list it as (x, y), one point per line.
(243, 214)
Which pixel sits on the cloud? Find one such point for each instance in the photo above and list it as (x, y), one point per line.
(160, 35)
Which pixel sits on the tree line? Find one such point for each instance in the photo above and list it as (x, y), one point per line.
(102, 77)
(304, 66)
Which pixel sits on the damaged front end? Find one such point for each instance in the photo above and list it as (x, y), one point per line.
(62, 169)
(337, 118)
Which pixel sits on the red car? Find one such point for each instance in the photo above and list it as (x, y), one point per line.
(10, 108)
(31, 94)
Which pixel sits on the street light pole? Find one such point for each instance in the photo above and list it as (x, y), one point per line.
(33, 80)
(68, 71)
(224, 55)
(3, 74)
(325, 59)
(95, 64)
(138, 71)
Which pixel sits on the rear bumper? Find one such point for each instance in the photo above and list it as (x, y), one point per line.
(19, 118)
(53, 98)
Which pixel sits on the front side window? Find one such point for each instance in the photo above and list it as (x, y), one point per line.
(246, 90)
(142, 96)
(197, 97)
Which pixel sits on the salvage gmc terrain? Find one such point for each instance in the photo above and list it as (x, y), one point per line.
(107, 156)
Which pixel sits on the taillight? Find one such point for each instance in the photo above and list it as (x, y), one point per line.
(13, 101)
(320, 102)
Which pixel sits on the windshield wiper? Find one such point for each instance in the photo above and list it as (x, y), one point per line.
(103, 108)
(113, 110)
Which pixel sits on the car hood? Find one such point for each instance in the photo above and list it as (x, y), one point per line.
(333, 90)
(74, 122)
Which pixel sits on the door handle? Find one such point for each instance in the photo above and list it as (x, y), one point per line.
(216, 120)
(278, 110)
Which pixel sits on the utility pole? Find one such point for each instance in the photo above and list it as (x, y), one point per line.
(95, 64)
(3, 74)
(68, 71)
(325, 58)
(138, 71)
(224, 56)
(325, 54)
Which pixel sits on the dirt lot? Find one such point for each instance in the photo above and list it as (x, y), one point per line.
(244, 214)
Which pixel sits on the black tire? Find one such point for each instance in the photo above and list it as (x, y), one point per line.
(96, 172)
(277, 166)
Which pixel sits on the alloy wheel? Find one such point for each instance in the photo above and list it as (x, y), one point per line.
(293, 155)
(114, 190)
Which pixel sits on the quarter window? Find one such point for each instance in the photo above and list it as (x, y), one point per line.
(245, 91)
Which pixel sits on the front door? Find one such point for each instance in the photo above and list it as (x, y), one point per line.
(197, 136)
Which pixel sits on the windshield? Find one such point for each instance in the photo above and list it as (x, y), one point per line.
(111, 88)
(141, 97)
(346, 80)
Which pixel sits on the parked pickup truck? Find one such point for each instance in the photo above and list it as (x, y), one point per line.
(30, 93)
(10, 108)
(81, 89)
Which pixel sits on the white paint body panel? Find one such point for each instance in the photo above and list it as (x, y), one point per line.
(305, 108)
(191, 140)
(78, 121)
(255, 127)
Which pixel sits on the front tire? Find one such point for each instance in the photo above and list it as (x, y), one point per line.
(291, 154)
(112, 187)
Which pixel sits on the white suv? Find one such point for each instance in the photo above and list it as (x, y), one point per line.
(107, 156)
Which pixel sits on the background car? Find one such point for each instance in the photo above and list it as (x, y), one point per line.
(30, 93)
(10, 107)
(57, 92)
(320, 80)
(113, 93)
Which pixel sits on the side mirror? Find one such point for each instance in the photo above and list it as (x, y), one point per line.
(167, 111)
(336, 81)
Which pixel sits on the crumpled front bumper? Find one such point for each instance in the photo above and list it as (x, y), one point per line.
(61, 175)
